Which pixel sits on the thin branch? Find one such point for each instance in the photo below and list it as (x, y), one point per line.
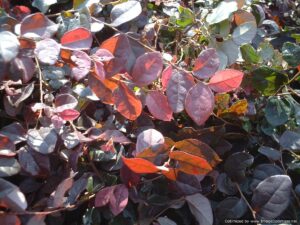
(41, 86)
(246, 201)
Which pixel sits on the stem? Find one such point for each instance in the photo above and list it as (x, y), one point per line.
(41, 87)
(244, 198)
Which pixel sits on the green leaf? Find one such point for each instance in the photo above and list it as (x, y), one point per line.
(267, 80)
(277, 111)
(249, 54)
(291, 53)
(186, 17)
(222, 12)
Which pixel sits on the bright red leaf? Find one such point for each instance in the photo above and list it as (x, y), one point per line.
(126, 102)
(158, 106)
(139, 165)
(78, 38)
(199, 103)
(226, 80)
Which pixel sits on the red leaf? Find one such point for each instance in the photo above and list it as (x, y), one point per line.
(199, 103)
(190, 164)
(139, 165)
(37, 25)
(226, 80)
(147, 68)
(158, 106)
(178, 86)
(126, 102)
(119, 199)
(166, 76)
(206, 64)
(7, 148)
(69, 114)
(128, 177)
(103, 196)
(78, 38)
(123, 59)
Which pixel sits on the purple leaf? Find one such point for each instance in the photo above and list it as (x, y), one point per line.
(119, 199)
(65, 101)
(47, 51)
(22, 68)
(42, 140)
(83, 65)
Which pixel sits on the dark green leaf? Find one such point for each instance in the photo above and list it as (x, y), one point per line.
(277, 112)
(290, 140)
(249, 54)
(291, 53)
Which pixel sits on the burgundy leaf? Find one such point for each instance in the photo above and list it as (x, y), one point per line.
(15, 132)
(99, 70)
(22, 68)
(62, 188)
(158, 106)
(37, 26)
(166, 76)
(102, 55)
(199, 103)
(65, 101)
(206, 64)
(103, 196)
(119, 199)
(147, 68)
(177, 88)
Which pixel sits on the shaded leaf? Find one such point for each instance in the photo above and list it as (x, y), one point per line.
(225, 185)
(78, 38)
(9, 46)
(271, 153)
(277, 112)
(264, 171)
(139, 165)
(200, 208)
(206, 64)
(147, 68)
(22, 68)
(178, 86)
(119, 199)
(267, 80)
(158, 105)
(126, 102)
(37, 26)
(103, 196)
(47, 51)
(240, 108)
(290, 140)
(9, 167)
(231, 208)
(165, 221)
(226, 80)
(291, 53)
(199, 103)
(42, 140)
(28, 162)
(15, 132)
(236, 165)
(62, 188)
(125, 12)
(272, 196)
(11, 196)
(189, 163)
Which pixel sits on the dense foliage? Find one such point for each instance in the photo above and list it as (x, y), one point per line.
(149, 112)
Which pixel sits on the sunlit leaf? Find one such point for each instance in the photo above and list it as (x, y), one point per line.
(239, 108)
(206, 64)
(125, 12)
(226, 80)
(42, 140)
(83, 65)
(9, 46)
(249, 54)
(9, 167)
(139, 165)
(78, 38)
(158, 106)
(43, 5)
(244, 33)
(147, 68)
(126, 102)
(47, 51)
(149, 138)
(199, 103)
(222, 12)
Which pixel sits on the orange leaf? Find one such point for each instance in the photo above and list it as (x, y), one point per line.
(240, 107)
(190, 164)
(126, 102)
(171, 174)
(198, 148)
(139, 165)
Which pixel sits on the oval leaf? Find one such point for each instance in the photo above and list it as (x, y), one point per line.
(125, 12)
(199, 103)
(37, 26)
(150, 138)
(69, 114)
(158, 106)
(226, 80)
(78, 38)
(147, 68)
(9, 46)
(9, 167)
(272, 196)
(119, 199)
(200, 208)
(126, 102)
(178, 86)
(206, 64)
(83, 65)
(65, 101)
(42, 140)
(47, 51)
(244, 33)
(139, 165)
